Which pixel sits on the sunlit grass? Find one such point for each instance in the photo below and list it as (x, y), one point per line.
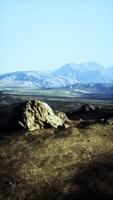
(49, 157)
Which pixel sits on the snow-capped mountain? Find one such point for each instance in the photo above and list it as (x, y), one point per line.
(90, 72)
(69, 74)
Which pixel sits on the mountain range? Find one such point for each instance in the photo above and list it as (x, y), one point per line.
(65, 76)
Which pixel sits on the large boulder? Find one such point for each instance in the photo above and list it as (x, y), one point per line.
(34, 114)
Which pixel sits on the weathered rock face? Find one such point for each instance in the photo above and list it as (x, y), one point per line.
(34, 114)
(63, 116)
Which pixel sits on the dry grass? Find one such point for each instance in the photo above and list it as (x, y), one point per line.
(47, 164)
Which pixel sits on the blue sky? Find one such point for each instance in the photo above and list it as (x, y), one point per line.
(45, 34)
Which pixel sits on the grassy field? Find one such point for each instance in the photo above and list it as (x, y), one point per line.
(56, 164)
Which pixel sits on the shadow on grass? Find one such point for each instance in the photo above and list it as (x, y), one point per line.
(94, 180)
(91, 181)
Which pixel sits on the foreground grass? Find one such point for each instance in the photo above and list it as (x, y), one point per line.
(57, 164)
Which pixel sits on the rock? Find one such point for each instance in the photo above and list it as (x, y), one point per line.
(99, 108)
(63, 116)
(102, 121)
(110, 121)
(87, 108)
(34, 114)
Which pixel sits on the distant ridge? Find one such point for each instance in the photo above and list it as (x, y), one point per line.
(68, 74)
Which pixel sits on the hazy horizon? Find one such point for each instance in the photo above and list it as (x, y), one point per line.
(44, 35)
(52, 69)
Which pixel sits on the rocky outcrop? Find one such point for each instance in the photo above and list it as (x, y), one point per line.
(87, 108)
(34, 114)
